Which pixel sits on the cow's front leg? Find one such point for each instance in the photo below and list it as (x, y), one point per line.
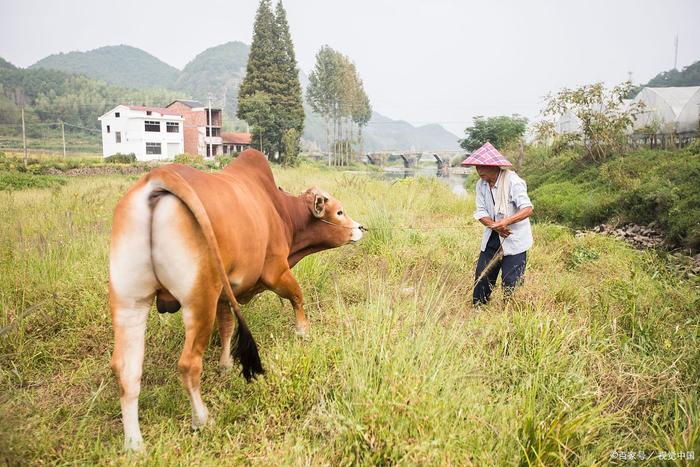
(286, 286)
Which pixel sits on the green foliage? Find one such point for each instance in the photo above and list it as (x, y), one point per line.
(120, 65)
(223, 160)
(689, 76)
(270, 94)
(13, 181)
(189, 159)
(336, 92)
(290, 142)
(51, 96)
(120, 158)
(604, 117)
(499, 131)
(641, 187)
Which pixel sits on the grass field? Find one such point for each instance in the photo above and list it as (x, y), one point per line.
(599, 352)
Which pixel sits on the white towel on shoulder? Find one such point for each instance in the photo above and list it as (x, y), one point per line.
(503, 184)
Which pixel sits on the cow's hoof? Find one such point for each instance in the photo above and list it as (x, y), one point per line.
(199, 421)
(302, 330)
(133, 445)
(224, 367)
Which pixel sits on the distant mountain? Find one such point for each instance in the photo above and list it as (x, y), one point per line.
(5, 64)
(689, 76)
(385, 134)
(121, 65)
(218, 71)
(51, 95)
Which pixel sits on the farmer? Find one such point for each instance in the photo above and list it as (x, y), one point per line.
(503, 206)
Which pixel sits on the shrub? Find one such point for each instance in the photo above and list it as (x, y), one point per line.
(13, 181)
(225, 159)
(189, 159)
(120, 158)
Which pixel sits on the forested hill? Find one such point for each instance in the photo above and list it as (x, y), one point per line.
(51, 95)
(689, 76)
(121, 65)
(65, 87)
(218, 72)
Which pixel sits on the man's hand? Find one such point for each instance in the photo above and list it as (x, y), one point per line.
(501, 227)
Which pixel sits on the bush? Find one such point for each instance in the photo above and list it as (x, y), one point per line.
(120, 158)
(225, 159)
(13, 181)
(189, 159)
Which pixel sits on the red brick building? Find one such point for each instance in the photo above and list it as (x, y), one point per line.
(197, 127)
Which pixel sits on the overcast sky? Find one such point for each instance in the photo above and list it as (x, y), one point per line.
(441, 61)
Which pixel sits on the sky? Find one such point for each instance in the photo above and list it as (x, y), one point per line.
(439, 61)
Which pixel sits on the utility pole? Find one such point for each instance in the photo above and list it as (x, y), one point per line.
(209, 130)
(63, 136)
(24, 138)
(675, 57)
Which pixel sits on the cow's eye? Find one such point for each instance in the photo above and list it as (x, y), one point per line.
(340, 213)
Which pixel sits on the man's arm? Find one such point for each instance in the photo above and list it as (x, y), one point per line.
(524, 213)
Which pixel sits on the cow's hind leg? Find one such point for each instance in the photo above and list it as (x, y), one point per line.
(224, 318)
(199, 321)
(132, 286)
(129, 321)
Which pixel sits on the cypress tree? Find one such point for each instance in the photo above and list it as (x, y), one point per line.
(260, 76)
(272, 75)
(291, 108)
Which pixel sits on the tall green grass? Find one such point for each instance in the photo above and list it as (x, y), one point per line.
(597, 353)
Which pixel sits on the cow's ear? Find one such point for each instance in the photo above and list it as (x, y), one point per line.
(319, 205)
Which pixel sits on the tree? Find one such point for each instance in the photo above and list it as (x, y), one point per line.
(291, 108)
(336, 92)
(258, 111)
(290, 141)
(604, 115)
(272, 70)
(499, 131)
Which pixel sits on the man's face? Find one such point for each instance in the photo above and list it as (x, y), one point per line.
(487, 172)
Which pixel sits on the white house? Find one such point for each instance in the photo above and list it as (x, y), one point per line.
(151, 133)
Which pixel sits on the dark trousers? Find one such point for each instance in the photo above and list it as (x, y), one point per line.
(513, 267)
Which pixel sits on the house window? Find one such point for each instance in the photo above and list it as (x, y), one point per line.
(153, 148)
(118, 136)
(116, 114)
(107, 128)
(172, 127)
(152, 125)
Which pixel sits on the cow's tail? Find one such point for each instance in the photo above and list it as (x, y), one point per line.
(244, 348)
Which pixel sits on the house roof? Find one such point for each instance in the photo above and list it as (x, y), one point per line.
(236, 138)
(160, 110)
(189, 103)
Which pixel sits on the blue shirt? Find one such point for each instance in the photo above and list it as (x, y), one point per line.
(521, 237)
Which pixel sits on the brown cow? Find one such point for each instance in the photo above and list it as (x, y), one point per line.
(182, 235)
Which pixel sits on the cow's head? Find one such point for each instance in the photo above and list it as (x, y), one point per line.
(333, 226)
